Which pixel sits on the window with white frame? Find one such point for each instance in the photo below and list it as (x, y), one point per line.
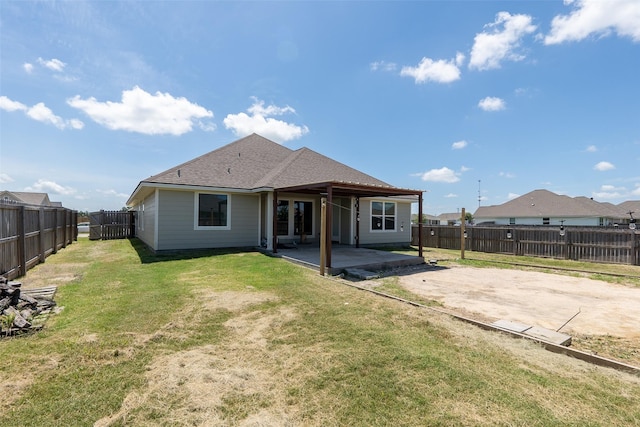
(212, 211)
(383, 216)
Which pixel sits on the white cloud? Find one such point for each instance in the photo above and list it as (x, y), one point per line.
(141, 112)
(5, 179)
(383, 66)
(459, 145)
(450, 196)
(604, 166)
(75, 124)
(9, 105)
(500, 42)
(41, 113)
(512, 196)
(52, 64)
(464, 169)
(507, 175)
(440, 71)
(636, 191)
(44, 186)
(596, 17)
(28, 68)
(492, 103)
(443, 174)
(592, 149)
(259, 121)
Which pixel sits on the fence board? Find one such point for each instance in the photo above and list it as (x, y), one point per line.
(592, 244)
(107, 225)
(28, 234)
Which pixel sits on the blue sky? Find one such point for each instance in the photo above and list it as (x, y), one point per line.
(464, 100)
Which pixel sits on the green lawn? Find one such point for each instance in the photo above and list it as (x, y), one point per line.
(234, 338)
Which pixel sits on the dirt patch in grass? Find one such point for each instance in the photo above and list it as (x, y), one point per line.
(213, 384)
(608, 323)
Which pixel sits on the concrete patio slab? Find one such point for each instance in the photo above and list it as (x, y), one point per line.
(344, 257)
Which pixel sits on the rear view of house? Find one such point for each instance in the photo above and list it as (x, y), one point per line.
(255, 192)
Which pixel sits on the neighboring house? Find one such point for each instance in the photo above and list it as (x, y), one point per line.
(450, 218)
(27, 198)
(542, 207)
(255, 192)
(426, 219)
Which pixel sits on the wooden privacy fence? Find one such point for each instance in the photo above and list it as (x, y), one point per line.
(592, 244)
(107, 225)
(29, 234)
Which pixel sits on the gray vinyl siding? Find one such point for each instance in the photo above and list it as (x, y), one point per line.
(176, 224)
(145, 230)
(403, 215)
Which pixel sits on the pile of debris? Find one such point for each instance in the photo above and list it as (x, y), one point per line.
(18, 310)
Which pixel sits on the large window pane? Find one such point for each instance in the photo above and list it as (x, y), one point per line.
(376, 208)
(303, 218)
(212, 210)
(389, 209)
(283, 217)
(389, 223)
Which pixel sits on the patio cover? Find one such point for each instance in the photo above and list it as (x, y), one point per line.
(327, 190)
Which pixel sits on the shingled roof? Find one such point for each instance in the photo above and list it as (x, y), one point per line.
(29, 198)
(544, 203)
(253, 163)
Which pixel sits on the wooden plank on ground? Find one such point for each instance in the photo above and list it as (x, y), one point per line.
(44, 292)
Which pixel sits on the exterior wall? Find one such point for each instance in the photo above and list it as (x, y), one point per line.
(146, 221)
(176, 223)
(402, 234)
(583, 222)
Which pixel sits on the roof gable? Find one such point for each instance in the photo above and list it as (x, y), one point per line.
(240, 164)
(255, 162)
(305, 166)
(29, 198)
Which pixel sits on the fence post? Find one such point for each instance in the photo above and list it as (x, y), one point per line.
(55, 230)
(41, 249)
(65, 228)
(22, 241)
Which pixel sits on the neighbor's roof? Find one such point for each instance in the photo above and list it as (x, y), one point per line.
(544, 203)
(254, 162)
(631, 206)
(28, 198)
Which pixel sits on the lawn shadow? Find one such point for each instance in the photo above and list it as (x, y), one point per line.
(148, 256)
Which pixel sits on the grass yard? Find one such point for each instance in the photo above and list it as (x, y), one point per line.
(231, 338)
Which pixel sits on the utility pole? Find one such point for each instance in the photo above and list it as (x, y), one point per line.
(479, 194)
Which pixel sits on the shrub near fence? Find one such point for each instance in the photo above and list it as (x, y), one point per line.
(592, 244)
(29, 234)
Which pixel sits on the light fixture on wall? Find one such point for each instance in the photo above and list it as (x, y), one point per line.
(562, 227)
(402, 226)
(433, 233)
(632, 221)
(509, 235)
